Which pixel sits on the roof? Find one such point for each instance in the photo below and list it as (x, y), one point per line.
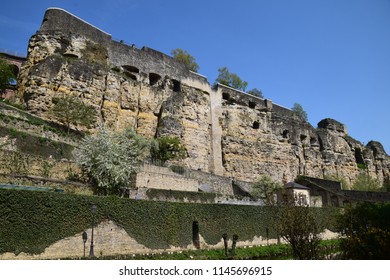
(293, 185)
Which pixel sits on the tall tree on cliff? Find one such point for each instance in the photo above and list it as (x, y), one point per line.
(70, 109)
(225, 77)
(298, 109)
(186, 58)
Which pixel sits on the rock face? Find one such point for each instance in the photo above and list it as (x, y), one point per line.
(225, 131)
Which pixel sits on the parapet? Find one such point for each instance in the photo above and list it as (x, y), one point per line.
(144, 60)
(56, 19)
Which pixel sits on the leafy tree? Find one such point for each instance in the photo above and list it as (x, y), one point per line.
(110, 158)
(69, 109)
(168, 148)
(6, 75)
(230, 79)
(256, 92)
(186, 58)
(364, 182)
(266, 189)
(301, 227)
(366, 231)
(298, 109)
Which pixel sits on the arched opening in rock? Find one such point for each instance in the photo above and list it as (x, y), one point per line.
(130, 68)
(256, 125)
(225, 96)
(176, 86)
(195, 234)
(154, 78)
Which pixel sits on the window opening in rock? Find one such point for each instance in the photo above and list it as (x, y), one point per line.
(130, 68)
(225, 96)
(286, 134)
(154, 78)
(176, 86)
(256, 125)
(252, 104)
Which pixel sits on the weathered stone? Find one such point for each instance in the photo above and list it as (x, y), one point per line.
(224, 131)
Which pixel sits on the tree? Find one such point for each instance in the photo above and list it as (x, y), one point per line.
(168, 148)
(365, 229)
(256, 92)
(6, 75)
(110, 158)
(301, 227)
(364, 182)
(296, 223)
(266, 189)
(298, 109)
(230, 79)
(69, 109)
(186, 58)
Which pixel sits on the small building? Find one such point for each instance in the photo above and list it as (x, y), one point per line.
(295, 194)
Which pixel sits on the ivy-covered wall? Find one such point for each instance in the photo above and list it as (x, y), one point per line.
(31, 221)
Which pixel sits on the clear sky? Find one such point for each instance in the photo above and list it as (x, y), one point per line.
(332, 57)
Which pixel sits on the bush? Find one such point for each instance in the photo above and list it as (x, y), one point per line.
(110, 158)
(168, 148)
(366, 231)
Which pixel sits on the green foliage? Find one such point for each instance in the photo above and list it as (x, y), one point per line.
(46, 166)
(256, 92)
(110, 158)
(365, 182)
(298, 109)
(54, 216)
(6, 74)
(160, 194)
(301, 227)
(230, 79)
(265, 188)
(366, 231)
(33, 145)
(17, 163)
(69, 110)
(168, 148)
(337, 178)
(186, 58)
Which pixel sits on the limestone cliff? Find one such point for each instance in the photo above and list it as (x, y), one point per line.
(225, 131)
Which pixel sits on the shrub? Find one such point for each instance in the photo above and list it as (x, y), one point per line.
(110, 158)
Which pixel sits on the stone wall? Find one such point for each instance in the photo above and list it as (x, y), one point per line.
(154, 177)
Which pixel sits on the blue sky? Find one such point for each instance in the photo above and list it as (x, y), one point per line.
(332, 57)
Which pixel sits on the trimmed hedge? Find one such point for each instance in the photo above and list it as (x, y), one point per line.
(31, 221)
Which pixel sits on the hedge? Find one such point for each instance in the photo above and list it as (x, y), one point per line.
(31, 221)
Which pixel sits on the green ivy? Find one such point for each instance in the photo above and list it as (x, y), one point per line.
(32, 221)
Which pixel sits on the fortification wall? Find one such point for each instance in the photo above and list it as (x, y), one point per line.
(226, 131)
